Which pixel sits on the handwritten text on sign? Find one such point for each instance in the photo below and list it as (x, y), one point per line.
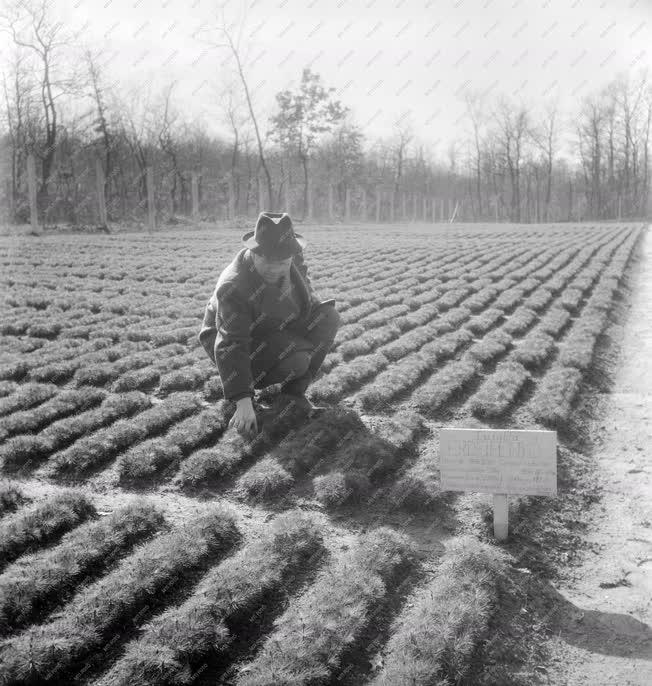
(499, 461)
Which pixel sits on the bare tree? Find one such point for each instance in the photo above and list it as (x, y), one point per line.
(590, 137)
(22, 121)
(623, 107)
(32, 27)
(404, 134)
(232, 106)
(611, 113)
(629, 98)
(645, 192)
(138, 130)
(247, 145)
(475, 108)
(512, 133)
(545, 135)
(103, 136)
(636, 124)
(167, 134)
(233, 47)
(453, 154)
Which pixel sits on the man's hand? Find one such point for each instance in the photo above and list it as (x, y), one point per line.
(244, 419)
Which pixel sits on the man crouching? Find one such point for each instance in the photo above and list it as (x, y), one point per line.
(264, 324)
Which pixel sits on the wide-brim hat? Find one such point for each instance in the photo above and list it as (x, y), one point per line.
(274, 236)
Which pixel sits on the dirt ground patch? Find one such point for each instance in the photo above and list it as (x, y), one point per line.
(603, 632)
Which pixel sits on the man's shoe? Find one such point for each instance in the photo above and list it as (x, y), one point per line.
(266, 395)
(260, 407)
(305, 404)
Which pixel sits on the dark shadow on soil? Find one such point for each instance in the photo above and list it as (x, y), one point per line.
(528, 610)
(607, 633)
(363, 451)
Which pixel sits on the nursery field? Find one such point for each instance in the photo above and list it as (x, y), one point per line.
(142, 541)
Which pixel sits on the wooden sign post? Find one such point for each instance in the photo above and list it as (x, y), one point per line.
(499, 461)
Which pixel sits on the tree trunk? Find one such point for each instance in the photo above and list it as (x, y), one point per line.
(306, 188)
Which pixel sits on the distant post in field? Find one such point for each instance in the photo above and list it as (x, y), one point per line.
(231, 200)
(403, 206)
(363, 209)
(261, 196)
(452, 218)
(288, 207)
(310, 202)
(347, 205)
(101, 199)
(377, 204)
(10, 198)
(330, 203)
(31, 187)
(151, 210)
(502, 462)
(194, 192)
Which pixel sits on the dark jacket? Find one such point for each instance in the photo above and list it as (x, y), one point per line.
(242, 311)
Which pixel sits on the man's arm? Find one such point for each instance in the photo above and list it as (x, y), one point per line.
(225, 335)
(208, 331)
(232, 343)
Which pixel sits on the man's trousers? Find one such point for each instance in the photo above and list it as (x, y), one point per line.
(293, 355)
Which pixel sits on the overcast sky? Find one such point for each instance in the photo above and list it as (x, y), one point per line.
(385, 58)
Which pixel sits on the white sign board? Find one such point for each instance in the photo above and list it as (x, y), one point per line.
(516, 462)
